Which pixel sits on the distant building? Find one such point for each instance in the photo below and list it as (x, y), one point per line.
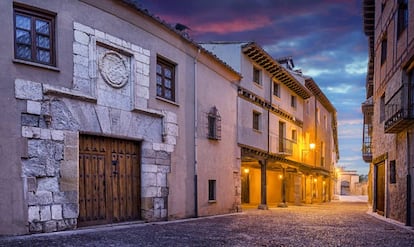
(286, 130)
(388, 110)
(349, 183)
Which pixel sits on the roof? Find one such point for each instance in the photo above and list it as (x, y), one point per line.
(261, 57)
(183, 35)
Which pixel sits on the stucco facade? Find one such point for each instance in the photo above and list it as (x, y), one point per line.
(388, 108)
(96, 112)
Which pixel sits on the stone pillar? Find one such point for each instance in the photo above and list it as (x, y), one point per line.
(309, 189)
(298, 188)
(283, 203)
(263, 185)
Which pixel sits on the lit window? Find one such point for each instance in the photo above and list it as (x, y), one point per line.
(165, 79)
(214, 124)
(256, 120)
(211, 190)
(257, 76)
(34, 35)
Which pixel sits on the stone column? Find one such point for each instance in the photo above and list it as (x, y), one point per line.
(283, 203)
(263, 185)
(298, 188)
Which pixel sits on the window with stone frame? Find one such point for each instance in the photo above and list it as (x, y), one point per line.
(165, 79)
(402, 16)
(214, 124)
(34, 35)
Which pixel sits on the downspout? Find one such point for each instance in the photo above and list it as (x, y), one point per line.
(195, 137)
(408, 205)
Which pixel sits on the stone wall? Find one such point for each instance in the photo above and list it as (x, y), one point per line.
(109, 97)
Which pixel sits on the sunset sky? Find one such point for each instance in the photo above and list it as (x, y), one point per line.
(325, 38)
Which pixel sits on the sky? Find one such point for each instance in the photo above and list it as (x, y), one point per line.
(324, 37)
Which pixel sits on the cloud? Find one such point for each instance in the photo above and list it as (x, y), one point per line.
(357, 67)
(235, 25)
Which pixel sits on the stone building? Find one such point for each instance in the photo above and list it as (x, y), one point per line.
(286, 130)
(110, 115)
(388, 109)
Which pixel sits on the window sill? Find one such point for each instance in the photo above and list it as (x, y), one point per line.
(39, 65)
(167, 101)
(212, 201)
(258, 85)
(257, 131)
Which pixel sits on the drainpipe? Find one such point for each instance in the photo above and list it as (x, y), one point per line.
(195, 138)
(408, 205)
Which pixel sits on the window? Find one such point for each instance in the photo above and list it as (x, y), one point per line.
(34, 35)
(402, 21)
(256, 120)
(307, 107)
(276, 89)
(393, 175)
(257, 76)
(383, 49)
(214, 124)
(293, 101)
(294, 135)
(382, 108)
(325, 121)
(165, 79)
(212, 190)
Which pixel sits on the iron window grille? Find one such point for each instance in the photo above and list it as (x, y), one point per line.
(214, 124)
(34, 38)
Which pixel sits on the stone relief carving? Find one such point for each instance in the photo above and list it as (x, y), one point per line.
(114, 69)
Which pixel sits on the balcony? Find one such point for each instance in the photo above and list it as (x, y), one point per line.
(368, 111)
(285, 146)
(399, 110)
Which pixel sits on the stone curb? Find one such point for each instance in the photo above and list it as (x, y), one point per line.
(391, 221)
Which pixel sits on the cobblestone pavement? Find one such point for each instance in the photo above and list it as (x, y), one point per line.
(329, 224)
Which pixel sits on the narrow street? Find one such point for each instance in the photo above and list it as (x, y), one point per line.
(329, 224)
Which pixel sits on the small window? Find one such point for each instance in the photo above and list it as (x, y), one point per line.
(402, 21)
(383, 50)
(293, 102)
(325, 121)
(393, 176)
(276, 89)
(214, 124)
(256, 120)
(165, 79)
(257, 76)
(212, 190)
(294, 136)
(382, 108)
(34, 38)
(307, 107)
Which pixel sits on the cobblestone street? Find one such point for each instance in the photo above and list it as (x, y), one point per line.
(330, 224)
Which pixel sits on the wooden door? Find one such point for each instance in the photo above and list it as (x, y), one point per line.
(109, 180)
(380, 188)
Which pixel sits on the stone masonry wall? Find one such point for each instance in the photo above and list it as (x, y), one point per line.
(55, 116)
